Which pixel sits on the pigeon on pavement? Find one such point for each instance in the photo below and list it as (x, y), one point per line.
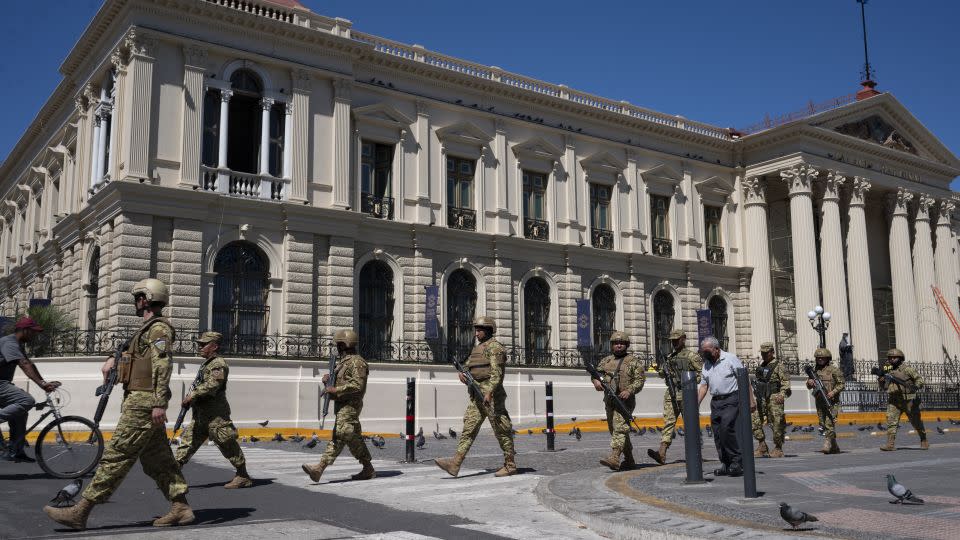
(453, 434)
(901, 492)
(254, 439)
(940, 430)
(297, 438)
(67, 493)
(421, 440)
(277, 437)
(312, 442)
(794, 517)
(577, 434)
(378, 441)
(439, 436)
(264, 423)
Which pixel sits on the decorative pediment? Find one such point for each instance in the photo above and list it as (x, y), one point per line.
(603, 162)
(877, 130)
(382, 114)
(464, 133)
(662, 173)
(537, 148)
(715, 187)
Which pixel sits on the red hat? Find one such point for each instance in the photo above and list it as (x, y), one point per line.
(26, 323)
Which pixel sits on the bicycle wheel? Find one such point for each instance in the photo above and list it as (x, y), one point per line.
(69, 447)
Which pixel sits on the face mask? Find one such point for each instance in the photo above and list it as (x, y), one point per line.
(707, 357)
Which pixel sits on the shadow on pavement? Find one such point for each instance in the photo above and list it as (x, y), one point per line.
(256, 483)
(216, 516)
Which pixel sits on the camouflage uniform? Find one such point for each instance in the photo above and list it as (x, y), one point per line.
(677, 362)
(211, 416)
(832, 380)
(136, 436)
(350, 381)
(623, 373)
(772, 380)
(903, 399)
(486, 364)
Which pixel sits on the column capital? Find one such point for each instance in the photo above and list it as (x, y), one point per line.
(342, 89)
(288, 107)
(119, 58)
(266, 103)
(423, 108)
(140, 44)
(898, 203)
(301, 80)
(945, 212)
(799, 178)
(858, 191)
(831, 186)
(225, 95)
(754, 191)
(194, 56)
(924, 203)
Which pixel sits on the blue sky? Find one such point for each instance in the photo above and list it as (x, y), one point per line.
(728, 63)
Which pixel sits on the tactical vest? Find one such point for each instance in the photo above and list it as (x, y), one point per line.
(135, 371)
(477, 362)
(615, 376)
(764, 373)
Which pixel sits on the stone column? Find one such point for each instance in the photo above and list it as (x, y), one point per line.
(137, 115)
(341, 143)
(863, 328)
(806, 282)
(298, 139)
(96, 160)
(931, 343)
(831, 262)
(191, 138)
(901, 272)
(758, 256)
(266, 104)
(223, 179)
(943, 257)
(186, 260)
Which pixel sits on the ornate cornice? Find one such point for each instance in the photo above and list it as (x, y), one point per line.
(799, 178)
(858, 191)
(832, 185)
(754, 191)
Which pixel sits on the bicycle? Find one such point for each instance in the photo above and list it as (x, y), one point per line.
(69, 446)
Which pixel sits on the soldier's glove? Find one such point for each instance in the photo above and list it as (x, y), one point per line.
(777, 398)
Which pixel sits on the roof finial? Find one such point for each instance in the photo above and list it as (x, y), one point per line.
(868, 73)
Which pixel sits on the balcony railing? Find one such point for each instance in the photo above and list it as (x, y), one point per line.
(715, 254)
(461, 218)
(536, 229)
(662, 247)
(244, 185)
(378, 207)
(601, 238)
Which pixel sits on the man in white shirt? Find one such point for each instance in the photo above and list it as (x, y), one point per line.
(720, 379)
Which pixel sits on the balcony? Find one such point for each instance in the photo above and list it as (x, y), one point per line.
(244, 185)
(461, 218)
(715, 254)
(378, 207)
(601, 238)
(662, 247)
(536, 229)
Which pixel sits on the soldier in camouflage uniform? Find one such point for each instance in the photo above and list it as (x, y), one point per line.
(211, 413)
(678, 361)
(773, 388)
(832, 380)
(902, 399)
(144, 371)
(624, 374)
(347, 389)
(486, 365)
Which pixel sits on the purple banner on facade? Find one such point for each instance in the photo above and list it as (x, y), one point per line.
(583, 323)
(431, 324)
(704, 325)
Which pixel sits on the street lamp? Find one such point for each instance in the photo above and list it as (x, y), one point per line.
(820, 321)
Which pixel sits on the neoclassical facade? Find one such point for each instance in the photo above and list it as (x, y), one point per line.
(288, 175)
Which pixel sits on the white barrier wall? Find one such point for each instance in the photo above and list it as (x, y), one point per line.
(287, 392)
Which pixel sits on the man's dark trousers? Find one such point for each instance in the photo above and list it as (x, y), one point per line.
(724, 411)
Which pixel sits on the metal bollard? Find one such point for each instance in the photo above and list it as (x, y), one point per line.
(745, 435)
(551, 433)
(691, 423)
(410, 435)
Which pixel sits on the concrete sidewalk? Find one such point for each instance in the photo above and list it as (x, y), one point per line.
(847, 492)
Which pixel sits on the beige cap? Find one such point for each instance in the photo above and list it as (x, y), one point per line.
(209, 336)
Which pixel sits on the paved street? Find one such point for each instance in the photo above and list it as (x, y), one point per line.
(562, 494)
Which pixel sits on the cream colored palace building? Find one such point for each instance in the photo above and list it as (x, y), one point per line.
(289, 175)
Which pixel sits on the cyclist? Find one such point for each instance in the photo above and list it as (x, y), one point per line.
(15, 403)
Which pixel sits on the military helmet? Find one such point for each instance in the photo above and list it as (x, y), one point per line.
(677, 334)
(153, 289)
(822, 353)
(766, 346)
(619, 336)
(346, 336)
(485, 322)
(895, 352)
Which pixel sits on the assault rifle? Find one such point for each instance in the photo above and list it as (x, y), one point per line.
(760, 393)
(472, 387)
(331, 370)
(671, 385)
(819, 390)
(617, 402)
(103, 391)
(184, 408)
(886, 377)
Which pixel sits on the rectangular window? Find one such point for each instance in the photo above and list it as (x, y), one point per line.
(278, 114)
(460, 182)
(209, 154)
(711, 220)
(376, 168)
(600, 207)
(534, 195)
(659, 217)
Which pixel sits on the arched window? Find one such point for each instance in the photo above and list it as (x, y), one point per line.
(243, 129)
(240, 289)
(376, 296)
(718, 313)
(663, 313)
(536, 312)
(93, 290)
(604, 317)
(461, 308)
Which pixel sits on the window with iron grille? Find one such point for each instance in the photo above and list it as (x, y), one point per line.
(460, 182)
(534, 201)
(376, 297)
(659, 217)
(663, 313)
(93, 291)
(600, 207)
(376, 167)
(536, 307)
(240, 289)
(718, 315)
(711, 220)
(461, 309)
(604, 317)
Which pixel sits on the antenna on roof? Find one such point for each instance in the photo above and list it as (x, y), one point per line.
(868, 73)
